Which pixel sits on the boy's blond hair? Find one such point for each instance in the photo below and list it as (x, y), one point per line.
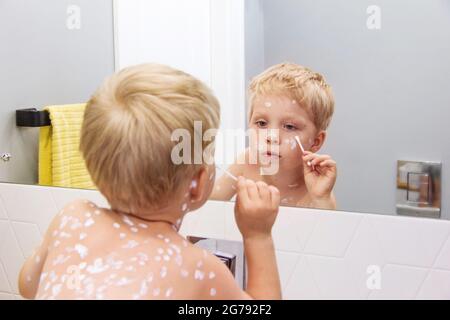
(126, 134)
(306, 87)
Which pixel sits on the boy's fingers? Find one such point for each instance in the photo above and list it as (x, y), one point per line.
(319, 159)
(252, 190)
(263, 190)
(274, 197)
(328, 163)
(242, 189)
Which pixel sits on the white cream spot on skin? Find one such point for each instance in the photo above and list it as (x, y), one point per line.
(166, 240)
(88, 215)
(122, 236)
(268, 104)
(37, 259)
(184, 273)
(169, 292)
(128, 221)
(158, 258)
(83, 236)
(166, 258)
(170, 252)
(97, 267)
(81, 250)
(65, 235)
(212, 292)
(160, 236)
(156, 292)
(97, 212)
(212, 275)
(194, 184)
(82, 265)
(199, 275)
(123, 282)
(163, 272)
(143, 226)
(57, 243)
(55, 233)
(116, 225)
(293, 185)
(184, 207)
(56, 290)
(144, 288)
(28, 279)
(89, 222)
(293, 144)
(131, 244)
(185, 244)
(199, 264)
(134, 230)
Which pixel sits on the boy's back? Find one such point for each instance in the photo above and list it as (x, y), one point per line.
(101, 254)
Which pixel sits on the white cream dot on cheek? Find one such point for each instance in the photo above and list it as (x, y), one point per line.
(169, 292)
(122, 236)
(158, 258)
(135, 230)
(184, 207)
(268, 104)
(143, 225)
(213, 292)
(116, 225)
(212, 275)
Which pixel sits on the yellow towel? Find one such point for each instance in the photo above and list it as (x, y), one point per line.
(60, 162)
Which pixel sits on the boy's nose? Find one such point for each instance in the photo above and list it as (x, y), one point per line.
(272, 137)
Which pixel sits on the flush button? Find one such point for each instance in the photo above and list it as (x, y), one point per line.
(418, 187)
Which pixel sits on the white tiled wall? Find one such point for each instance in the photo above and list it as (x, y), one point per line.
(321, 254)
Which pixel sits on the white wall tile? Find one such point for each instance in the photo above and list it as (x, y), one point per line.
(2, 210)
(286, 262)
(410, 241)
(363, 251)
(399, 282)
(28, 204)
(11, 257)
(301, 284)
(333, 233)
(4, 283)
(7, 296)
(332, 277)
(28, 236)
(293, 228)
(436, 286)
(443, 260)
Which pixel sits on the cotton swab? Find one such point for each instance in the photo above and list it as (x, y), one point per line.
(301, 147)
(228, 173)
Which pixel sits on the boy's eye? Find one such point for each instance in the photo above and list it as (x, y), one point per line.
(261, 123)
(290, 127)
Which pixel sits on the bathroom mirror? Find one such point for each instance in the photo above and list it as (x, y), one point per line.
(387, 63)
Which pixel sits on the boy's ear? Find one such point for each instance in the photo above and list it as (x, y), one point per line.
(199, 189)
(319, 141)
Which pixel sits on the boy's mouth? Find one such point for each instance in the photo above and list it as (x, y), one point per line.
(271, 154)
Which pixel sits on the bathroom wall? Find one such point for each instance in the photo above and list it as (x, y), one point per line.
(321, 254)
(47, 58)
(391, 87)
